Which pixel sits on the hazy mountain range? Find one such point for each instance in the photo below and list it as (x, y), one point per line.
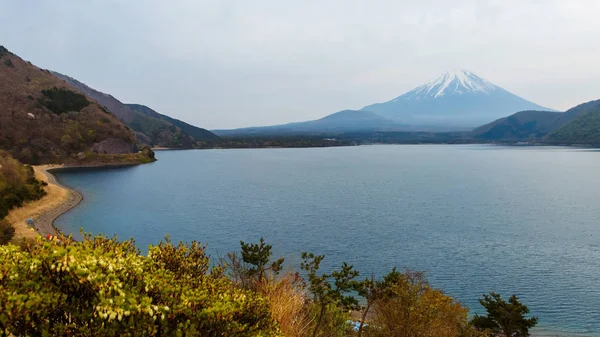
(47, 117)
(457, 100)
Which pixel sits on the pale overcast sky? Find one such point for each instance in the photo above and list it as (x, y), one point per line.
(234, 63)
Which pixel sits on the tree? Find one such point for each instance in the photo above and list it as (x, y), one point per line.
(370, 290)
(326, 294)
(407, 306)
(504, 318)
(257, 256)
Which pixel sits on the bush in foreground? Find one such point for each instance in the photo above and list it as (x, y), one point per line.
(102, 287)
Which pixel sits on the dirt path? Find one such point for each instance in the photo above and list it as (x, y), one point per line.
(59, 199)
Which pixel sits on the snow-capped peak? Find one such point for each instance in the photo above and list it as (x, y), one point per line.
(456, 82)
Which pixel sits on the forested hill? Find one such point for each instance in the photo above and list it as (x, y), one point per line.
(578, 125)
(583, 129)
(151, 128)
(45, 120)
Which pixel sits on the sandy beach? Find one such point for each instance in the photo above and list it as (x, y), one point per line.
(59, 199)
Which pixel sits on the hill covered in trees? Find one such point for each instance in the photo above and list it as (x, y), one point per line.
(583, 129)
(577, 125)
(45, 120)
(151, 127)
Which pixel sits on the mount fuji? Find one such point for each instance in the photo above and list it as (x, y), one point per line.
(455, 99)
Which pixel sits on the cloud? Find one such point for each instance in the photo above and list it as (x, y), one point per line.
(233, 63)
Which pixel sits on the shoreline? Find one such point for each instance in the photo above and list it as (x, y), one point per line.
(59, 199)
(45, 221)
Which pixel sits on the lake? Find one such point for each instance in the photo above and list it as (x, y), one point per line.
(475, 218)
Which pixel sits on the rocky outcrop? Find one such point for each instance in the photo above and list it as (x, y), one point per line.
(114, 146)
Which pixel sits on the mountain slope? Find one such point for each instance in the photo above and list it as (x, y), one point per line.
(523, 125)
(457, 98)
(530, 125)
(582, 128)
(151, 127)
(44, 120)
(199, 134)
(341, 121)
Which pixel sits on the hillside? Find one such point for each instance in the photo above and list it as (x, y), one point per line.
(521, 126)
(199, 134)
(457, 98)
(583, 128)
(535, 125)
(151, 128)
(45, 120)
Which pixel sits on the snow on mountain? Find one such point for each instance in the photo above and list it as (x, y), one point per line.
(457, 98)
(453, 83)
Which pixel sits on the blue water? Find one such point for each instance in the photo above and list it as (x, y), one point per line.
(523, 220)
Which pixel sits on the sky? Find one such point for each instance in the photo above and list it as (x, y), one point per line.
(234, 63)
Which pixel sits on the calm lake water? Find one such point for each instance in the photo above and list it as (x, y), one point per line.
(523, 220)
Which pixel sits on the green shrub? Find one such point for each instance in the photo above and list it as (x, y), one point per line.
(102, 287)
(17, 184)
(147, 152)
(9, 63)
(59, 100)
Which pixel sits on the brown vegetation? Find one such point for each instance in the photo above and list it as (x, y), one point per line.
(45, 120)
(151, 128)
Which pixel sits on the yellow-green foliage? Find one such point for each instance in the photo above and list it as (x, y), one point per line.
(17, 184)
(102, 287)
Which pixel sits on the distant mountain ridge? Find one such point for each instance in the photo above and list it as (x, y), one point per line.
(457, 98)
(341, 121)
(151, 127)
